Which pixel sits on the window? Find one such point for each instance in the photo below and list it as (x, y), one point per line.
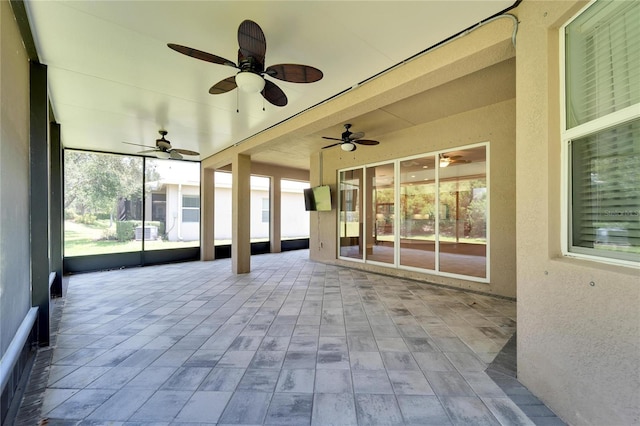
(190, 208)
(601, 135)
(265, 210)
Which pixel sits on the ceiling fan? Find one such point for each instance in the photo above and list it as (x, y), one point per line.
(348, 140)
(163, 148)
(446, 160)
(250, 78)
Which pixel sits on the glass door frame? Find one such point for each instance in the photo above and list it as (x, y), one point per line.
(396, 220)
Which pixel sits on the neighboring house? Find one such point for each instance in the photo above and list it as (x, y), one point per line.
(175, 203)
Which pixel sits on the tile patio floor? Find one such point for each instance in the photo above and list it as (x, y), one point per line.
(292, 343)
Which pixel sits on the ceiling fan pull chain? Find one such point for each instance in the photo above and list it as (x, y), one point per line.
(237, 101)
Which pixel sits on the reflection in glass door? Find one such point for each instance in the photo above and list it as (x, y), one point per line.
(350, 220)
(463, 212)
(418, 212)
(430, 211)
(381, 214)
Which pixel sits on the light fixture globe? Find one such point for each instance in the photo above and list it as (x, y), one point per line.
(348, 146)
(249, 82)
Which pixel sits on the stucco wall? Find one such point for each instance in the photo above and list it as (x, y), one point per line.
(15, 295)
(494, 124)
(295, 220)
(176, 228)
(578, 321)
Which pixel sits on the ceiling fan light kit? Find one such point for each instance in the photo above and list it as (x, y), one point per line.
(348, 146)
(250, 82)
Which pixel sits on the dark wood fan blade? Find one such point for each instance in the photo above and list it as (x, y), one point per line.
(185, 151)
(137, 144)
(332, 139)
(199, 54)
(274, 94)
(333, 144)
(365, 142)
(294, 73)
(252, 41)
(224, 86)
(357, 135)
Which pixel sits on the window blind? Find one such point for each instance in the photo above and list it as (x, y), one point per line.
(603, 61)
(605, 182)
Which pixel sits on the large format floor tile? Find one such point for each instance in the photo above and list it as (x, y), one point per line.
(293, 342)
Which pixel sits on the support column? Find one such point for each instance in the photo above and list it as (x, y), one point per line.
(241, 214)
(39, 197)
(56, 207)
(207, 201)
(275, 222)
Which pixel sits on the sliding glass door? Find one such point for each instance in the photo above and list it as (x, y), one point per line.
(418, 212)
(427, 212)
(350, 220)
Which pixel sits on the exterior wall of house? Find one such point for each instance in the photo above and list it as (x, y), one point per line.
(222, 213)
(494, 124)
(293, 213)
(295, 219)
(578, 321)
(176, 228)
(15, 252)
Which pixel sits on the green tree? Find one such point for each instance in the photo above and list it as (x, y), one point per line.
(94, 183)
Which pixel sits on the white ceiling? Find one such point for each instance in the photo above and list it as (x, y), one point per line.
(112, 78)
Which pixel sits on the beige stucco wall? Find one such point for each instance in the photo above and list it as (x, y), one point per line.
(494, 124)
(578, 321)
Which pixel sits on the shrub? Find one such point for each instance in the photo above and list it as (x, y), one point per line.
(125, 230)
(87, 219)
(70, 214)
(110, 234)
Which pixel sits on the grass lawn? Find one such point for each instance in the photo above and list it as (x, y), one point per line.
(81, 240)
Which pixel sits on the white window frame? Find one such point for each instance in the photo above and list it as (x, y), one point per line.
(396, 264)
(567, 135)
(267, 210)
(183, 208)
